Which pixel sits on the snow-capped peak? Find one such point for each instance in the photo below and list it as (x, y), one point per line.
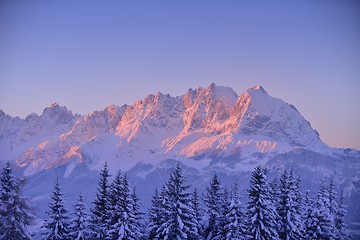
(257, 88)
(259, 113)
(198, 123)
(57, 113)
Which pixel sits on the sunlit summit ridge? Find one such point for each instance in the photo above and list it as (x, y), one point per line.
(202, 123)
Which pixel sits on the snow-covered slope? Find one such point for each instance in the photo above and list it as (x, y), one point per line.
(208, 129)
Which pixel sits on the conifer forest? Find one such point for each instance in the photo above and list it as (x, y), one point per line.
(277, 209)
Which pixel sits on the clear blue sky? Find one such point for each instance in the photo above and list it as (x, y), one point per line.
(89, 54)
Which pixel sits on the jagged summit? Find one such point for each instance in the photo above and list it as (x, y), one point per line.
(60, 114)
(257, 88)
(54, 107)
(54, 104)
(199, 123)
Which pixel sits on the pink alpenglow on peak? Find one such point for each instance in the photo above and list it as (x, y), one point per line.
(199, 123)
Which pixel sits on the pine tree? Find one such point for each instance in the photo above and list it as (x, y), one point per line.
(115, 208)
(340, 219)
(333, 205)
(260, 210)
(179, 224)
(298, 206)
(100, 213)
(155, 215)
(323, 222)
(275, 192)
(234, 226)
(289, 207)
(56, 228)
(197, 212)
(332, 195)
(165, 214)
(136, 226)
(125, 215)
(78, 226)
(15, 211)
(225, 203)
(308, 218)
(212, 201)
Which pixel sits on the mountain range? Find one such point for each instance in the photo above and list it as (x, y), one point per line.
(209, 130)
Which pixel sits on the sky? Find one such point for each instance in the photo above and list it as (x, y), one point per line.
(87, 55)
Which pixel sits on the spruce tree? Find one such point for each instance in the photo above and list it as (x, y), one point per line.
(212, 201)
(260, 209)
(340, 219)
(15, 211)
(155, 215)
(332, 195)
(298, 205)
(234, 217)
(125, 225)
(323, 222)
(57, 227)
(289, 205)
(115, 208)
(197, 212)
(308, 216)
(79, 224)
(225, 203)
(100, 213)
(179, 224)
(136, 225)
(165, 214)
(333, 205)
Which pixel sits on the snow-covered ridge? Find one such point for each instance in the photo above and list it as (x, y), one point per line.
(202, 123)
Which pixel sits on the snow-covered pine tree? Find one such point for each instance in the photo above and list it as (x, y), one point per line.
(260, 209)
(78, 229)
(15, 211)
(275, 192)
(340, 219)
(155, 215)
(212, 200)
(323, 222)
(308, 218)
(197, 213)
(225, 203)
(282, 204)
(179, 224)
(136, 225)
(333, 205)
(100, 213)
(115, 208)
(124, 213)
(288, 208)
(332, 197)
(164, 213)
(299, 204)
(127, 219)
(57, 227)
(234, 227)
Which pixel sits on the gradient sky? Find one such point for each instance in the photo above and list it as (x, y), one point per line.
(89, 54)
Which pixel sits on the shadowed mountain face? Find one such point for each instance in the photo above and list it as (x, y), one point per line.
(208, 130)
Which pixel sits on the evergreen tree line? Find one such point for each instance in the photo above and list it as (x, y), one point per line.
(274, 210)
